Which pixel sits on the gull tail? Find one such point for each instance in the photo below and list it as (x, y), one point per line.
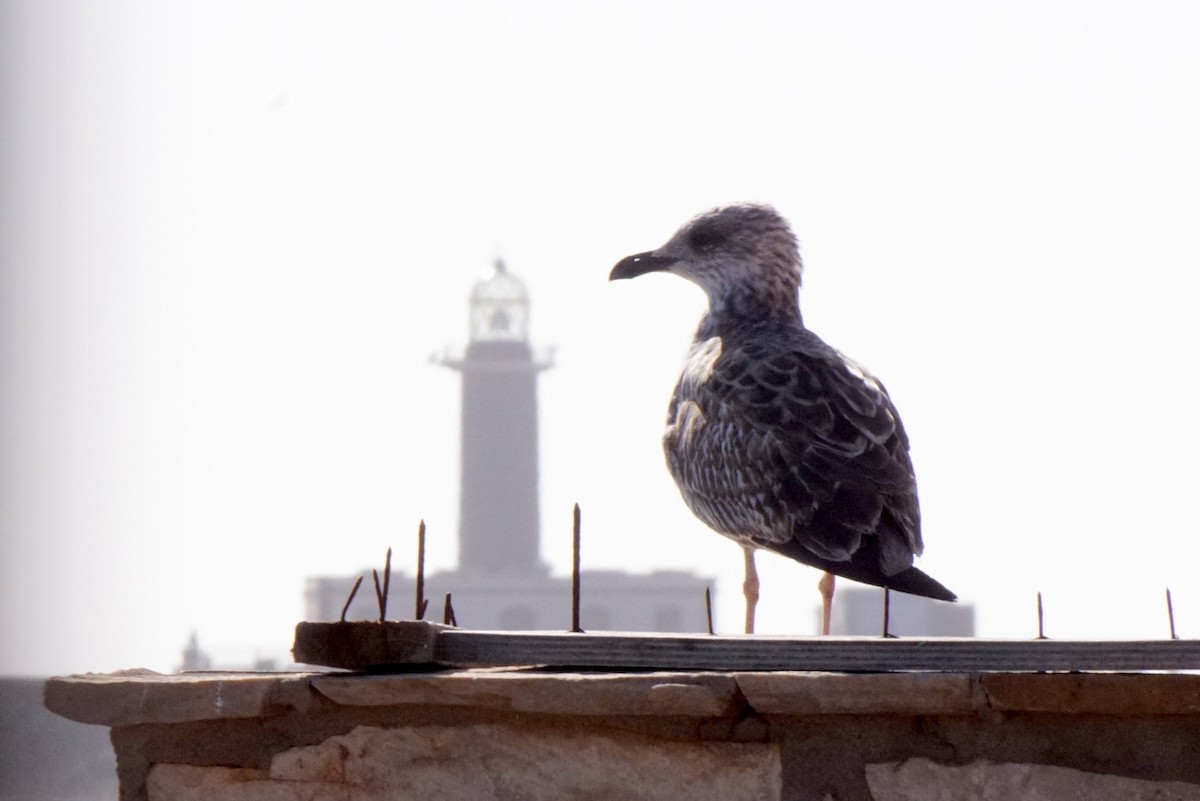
(917, 582)
(864, 566)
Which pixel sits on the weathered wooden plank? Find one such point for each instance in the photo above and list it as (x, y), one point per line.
(362, 645)
(366, 646)
(836, 654)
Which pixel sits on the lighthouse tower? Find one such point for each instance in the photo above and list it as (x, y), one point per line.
(498, 529)
(500, 582)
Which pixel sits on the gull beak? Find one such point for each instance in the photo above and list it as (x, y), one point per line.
(640, 264)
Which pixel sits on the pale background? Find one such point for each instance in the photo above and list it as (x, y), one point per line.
(232, 233)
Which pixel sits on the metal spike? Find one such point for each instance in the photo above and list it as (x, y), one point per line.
(887, 613)
(387, 583)
(379, 595)
(575, 573)
(421, 601)
(1171, 615)
(350, 600)
(1041, 620)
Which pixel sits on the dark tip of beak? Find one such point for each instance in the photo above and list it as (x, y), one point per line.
(639, 264)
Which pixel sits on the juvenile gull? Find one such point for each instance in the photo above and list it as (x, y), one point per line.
(776, 439)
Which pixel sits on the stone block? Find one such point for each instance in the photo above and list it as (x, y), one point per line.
(325, 762)
(1105, 693)
(192, 783)
(142, 696)
(686, 694)
(855, 694)
(923, 780)
(487, 762)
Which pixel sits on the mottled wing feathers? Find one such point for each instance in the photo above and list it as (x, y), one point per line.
(784, 442)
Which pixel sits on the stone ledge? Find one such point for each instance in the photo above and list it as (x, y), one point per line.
(857, 694)
(143, 696)
(135, 697)
(687, 694)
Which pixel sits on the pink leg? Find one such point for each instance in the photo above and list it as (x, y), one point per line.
(750, 588)
(825, 585)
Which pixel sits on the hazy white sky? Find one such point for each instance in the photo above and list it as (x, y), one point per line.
(232, 234)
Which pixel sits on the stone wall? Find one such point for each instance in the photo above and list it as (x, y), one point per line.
(529, 734)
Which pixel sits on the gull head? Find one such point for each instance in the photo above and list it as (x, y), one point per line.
(729, 250)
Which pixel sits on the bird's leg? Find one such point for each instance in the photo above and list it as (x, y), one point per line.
(750, 588)
(825, 585)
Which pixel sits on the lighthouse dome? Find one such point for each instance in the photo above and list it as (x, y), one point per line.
(499, 307)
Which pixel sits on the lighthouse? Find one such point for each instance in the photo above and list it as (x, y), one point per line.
(498, 529)
(501, 582)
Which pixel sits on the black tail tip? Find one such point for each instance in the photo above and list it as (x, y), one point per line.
(914, 582)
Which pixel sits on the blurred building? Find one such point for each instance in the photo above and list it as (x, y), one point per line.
(501, 582)
(195, 658)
